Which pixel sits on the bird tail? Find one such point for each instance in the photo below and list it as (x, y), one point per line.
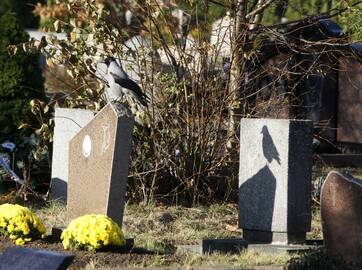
(143, 99)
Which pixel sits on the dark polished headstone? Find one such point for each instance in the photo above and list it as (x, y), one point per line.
(17, 258)
(341, 211)
(349, 124)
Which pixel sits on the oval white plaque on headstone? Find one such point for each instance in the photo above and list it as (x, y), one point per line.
(87, 146)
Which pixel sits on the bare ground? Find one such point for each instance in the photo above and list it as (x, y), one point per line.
(110, 258)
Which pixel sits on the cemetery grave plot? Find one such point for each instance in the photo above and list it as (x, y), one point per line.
(144, 223)
(82, 258)
(158, 228)
(275, 153)
(178, 225)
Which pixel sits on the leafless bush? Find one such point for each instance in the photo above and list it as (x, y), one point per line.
(181, 142)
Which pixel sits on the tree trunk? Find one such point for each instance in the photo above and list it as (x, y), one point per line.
(244, 33)
(236, 57)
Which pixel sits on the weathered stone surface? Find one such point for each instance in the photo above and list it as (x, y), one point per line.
(17, 258)
(67, 123)
(275, 179)
(349, 100)
(98, 164)
(341, 211)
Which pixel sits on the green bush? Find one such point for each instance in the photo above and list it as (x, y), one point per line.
(20, 78)
(23, 9)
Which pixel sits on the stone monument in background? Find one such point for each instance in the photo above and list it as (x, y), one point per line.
(341, 213)
(98, 164)
(68, 122)
(275, 180)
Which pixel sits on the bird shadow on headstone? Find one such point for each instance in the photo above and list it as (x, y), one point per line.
(258, 196)
(269, 150)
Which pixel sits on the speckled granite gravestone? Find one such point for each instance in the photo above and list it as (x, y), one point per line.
(98, 164)
(341, 212)
(18, 258)
(275, 180)
(67, 123)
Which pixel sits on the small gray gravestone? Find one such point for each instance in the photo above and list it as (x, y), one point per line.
(17, 258)
(67, 123)
(341, 212)
(275, 180)
(98, 164)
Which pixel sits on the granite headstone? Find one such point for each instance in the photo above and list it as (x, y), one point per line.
(341, 213)
(98, 164)
(17, 258)
(275, 180)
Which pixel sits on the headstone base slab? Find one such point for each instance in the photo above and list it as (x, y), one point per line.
(279, 249)
(283, 238)
(57, 232)
(208, 246)
(235, 246)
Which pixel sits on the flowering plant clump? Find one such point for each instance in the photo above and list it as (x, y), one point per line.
(92, 232)
(20, 224)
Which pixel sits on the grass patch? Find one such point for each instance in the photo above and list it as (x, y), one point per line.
(318, 259)
(316, 232)
(245, 259)
(53, 214)
(160, 229)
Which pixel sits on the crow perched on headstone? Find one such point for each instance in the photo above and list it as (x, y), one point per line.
(119, 83)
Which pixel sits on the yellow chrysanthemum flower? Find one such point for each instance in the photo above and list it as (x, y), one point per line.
(92, 232)
(20, 241)
(19, 223)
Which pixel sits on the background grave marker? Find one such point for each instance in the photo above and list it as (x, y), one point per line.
(67, 123)
(341, 212)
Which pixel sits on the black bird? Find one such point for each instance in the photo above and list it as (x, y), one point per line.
(269, 150)
(119, 83)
